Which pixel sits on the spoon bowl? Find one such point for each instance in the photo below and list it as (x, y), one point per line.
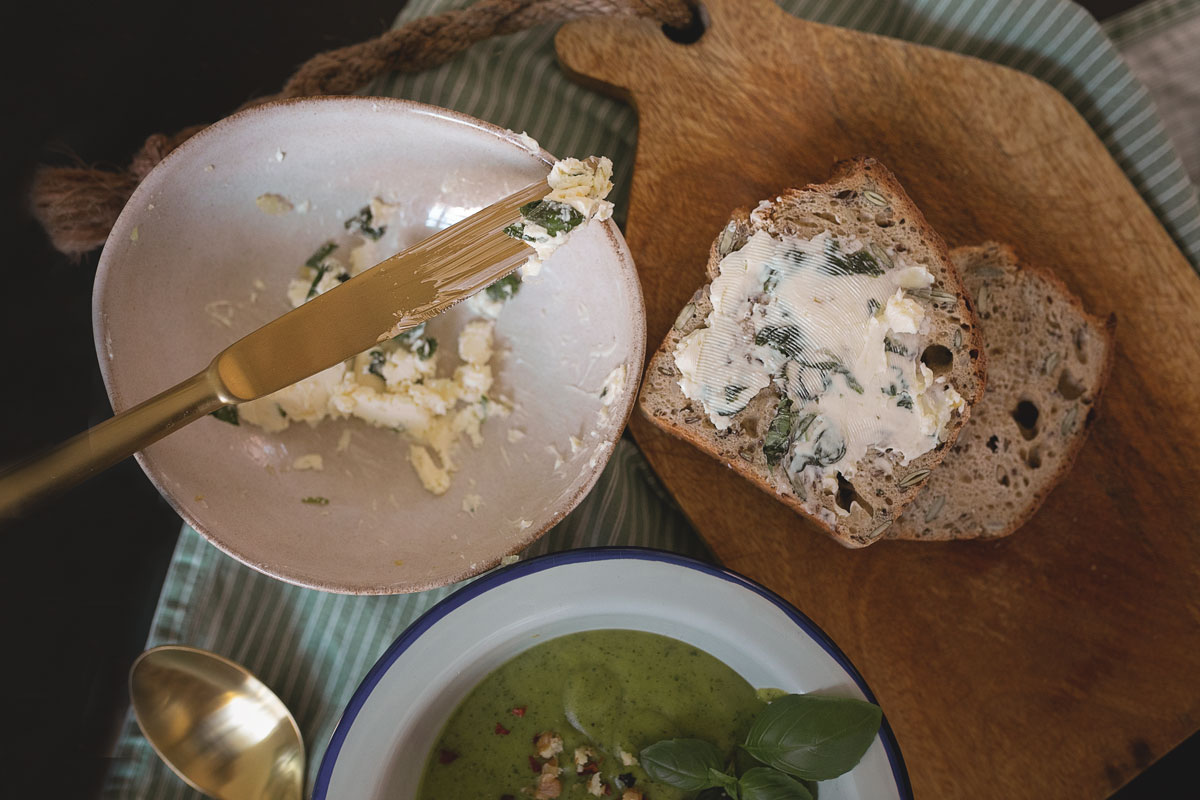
(216, 725)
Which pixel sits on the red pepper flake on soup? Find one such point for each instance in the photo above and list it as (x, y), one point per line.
(501, 730)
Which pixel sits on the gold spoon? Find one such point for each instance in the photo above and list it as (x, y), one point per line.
(216, 725)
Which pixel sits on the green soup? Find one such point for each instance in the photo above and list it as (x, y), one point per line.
(608, 693)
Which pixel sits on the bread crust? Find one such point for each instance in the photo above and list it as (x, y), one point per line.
(846, 205)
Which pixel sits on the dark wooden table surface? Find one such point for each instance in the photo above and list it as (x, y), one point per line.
(80, 577)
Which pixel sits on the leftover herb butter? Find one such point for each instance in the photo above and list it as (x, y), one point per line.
(399, 384)
(577, 193)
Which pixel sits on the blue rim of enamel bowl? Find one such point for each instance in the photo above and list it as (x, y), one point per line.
(501, 576)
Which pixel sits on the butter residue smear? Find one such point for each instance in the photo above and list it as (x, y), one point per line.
(838, 335)
(397, 384)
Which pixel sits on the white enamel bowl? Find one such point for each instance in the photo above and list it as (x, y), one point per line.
(193, 264)
(391, 723)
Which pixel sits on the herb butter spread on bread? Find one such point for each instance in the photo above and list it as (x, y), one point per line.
(1048, 360)
(833, 355)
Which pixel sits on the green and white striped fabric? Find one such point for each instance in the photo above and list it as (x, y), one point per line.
(312, 648)
(1149, 19)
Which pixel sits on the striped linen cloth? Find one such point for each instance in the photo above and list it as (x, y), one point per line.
(312, 648)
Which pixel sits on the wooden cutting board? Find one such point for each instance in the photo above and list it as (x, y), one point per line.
(1061, 661)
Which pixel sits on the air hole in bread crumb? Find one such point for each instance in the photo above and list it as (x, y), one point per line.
(939, 359)
(846, 495)
(692, 31)
(974, 354)
(993, 443)
(1034, 460)
(825, 215)
(1067, 387)
(1026, 417)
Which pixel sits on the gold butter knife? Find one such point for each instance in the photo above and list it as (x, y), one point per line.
(396, 294)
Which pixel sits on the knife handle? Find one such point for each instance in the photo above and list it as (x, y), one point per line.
(111, 441)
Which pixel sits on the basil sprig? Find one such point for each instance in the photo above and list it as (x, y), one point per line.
(799, 737)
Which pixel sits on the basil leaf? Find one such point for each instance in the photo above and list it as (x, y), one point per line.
(505, 288)
(713, 793)
(227, 414)
(779, 432)
(378, 359)
(813, 737)
(732, 392)
(425, 348)
(787, 339)
(320, 255)
(764, 783)
(312, 290)
(362, 220)
(555, 217)
(890, 345)
(517, 231)
(835, 366)
(682, 763)
(835, 262)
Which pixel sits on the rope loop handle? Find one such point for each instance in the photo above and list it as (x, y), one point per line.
(77, 206)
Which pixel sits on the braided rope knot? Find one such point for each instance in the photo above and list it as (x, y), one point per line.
(77, 206)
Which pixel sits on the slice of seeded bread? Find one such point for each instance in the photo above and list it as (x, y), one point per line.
(862, 201)
(1048, 360)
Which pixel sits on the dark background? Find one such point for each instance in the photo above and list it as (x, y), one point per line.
(81, 575)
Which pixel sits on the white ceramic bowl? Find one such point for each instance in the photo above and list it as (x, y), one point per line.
(391, 723)
(178, 281)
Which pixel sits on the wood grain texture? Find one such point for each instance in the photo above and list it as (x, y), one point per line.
(1058, 662)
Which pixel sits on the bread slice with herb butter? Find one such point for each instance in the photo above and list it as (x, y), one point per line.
(1048, 360)
(833, 356)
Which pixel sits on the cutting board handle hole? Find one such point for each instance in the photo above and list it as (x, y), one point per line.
(693, 30)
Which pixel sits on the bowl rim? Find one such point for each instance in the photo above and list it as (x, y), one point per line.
(522, 569)
(159, 479)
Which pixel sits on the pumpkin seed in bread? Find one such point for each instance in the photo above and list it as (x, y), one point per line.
(832, 357)
(1048, 360)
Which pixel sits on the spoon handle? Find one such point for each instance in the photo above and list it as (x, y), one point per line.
(100, 447)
